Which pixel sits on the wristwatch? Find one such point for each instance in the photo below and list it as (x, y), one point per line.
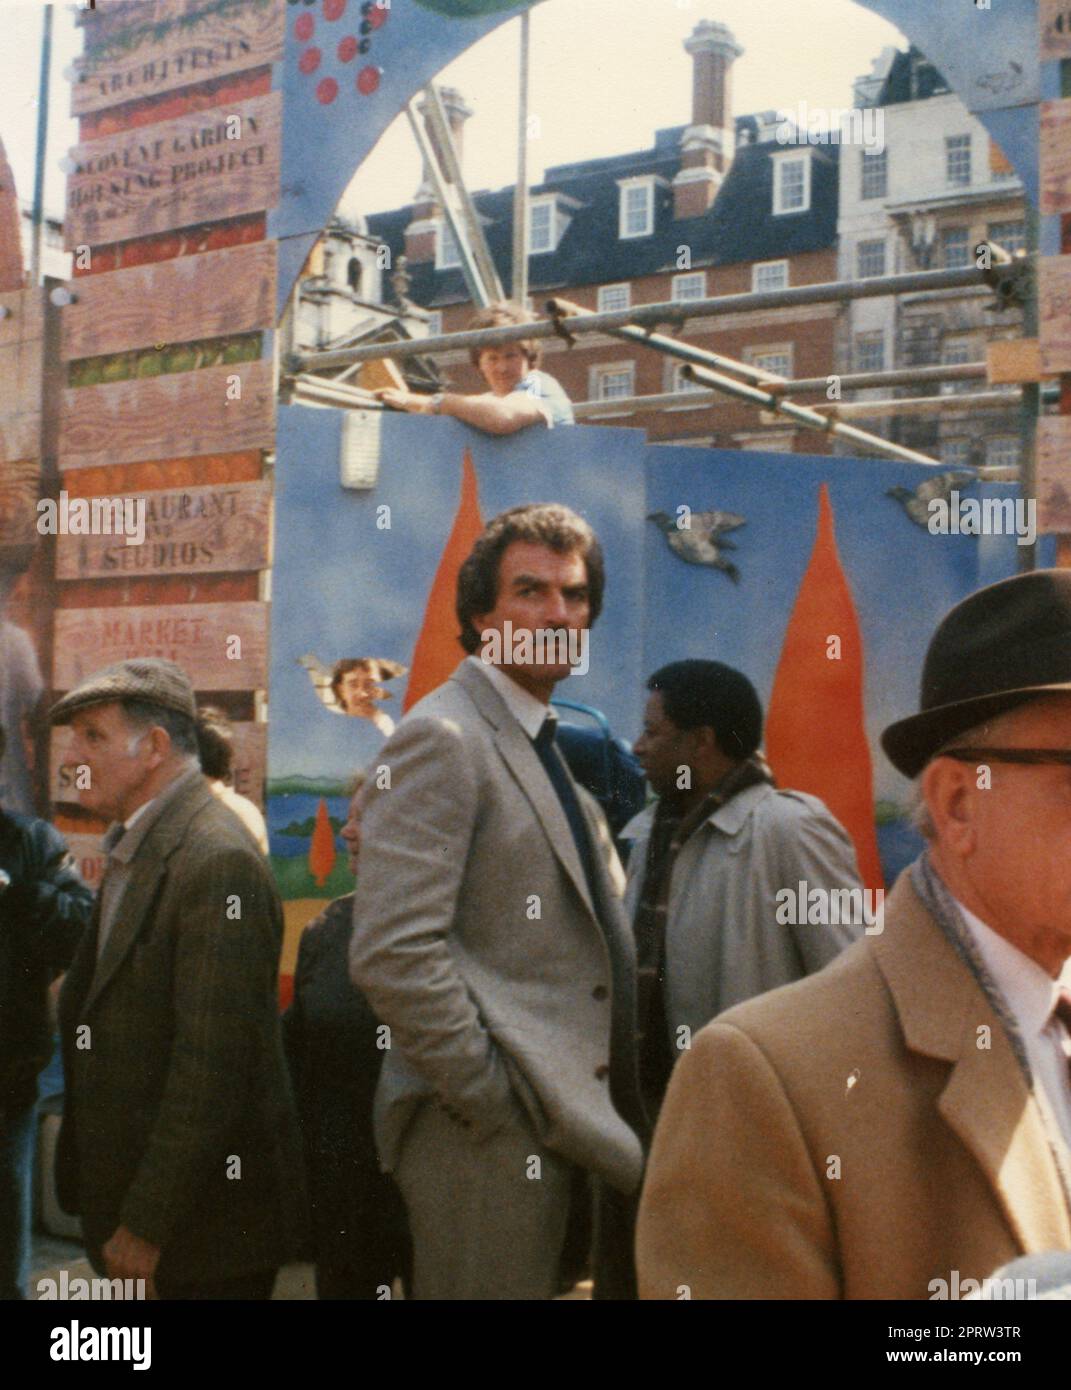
(435, 405)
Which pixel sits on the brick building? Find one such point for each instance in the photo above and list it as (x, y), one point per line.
(938, 188)
(712, 208)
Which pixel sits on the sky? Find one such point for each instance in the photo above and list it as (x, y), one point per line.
(605, 74)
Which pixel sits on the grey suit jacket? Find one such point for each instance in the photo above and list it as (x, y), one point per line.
(477, 942)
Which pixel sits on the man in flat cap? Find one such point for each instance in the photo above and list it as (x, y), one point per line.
(900, 1122)
(179, 1146)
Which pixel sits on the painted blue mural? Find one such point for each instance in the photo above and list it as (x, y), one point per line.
(351, 580)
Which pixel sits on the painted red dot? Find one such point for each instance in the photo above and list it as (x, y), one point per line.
(347, 49)
(326, 91)
(310, 60)
(378, 17)
(333, 9)
(304, 27)
(368, 80)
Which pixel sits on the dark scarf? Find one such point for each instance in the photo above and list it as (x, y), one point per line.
(669, 833)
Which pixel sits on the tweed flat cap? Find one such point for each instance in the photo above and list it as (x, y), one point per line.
(149, 678)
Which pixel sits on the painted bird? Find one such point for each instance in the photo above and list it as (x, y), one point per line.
(703, 540)
(937, 487)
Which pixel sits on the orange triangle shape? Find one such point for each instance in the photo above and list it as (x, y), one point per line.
(815, 730)
(438, 650)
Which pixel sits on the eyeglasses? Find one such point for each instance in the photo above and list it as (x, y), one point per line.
(1035, 756)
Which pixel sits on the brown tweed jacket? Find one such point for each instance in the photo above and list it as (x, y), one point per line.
(179, 1122)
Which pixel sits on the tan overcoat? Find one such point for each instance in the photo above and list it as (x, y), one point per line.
(864, 1133)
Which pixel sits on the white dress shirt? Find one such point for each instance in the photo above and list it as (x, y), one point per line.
(1030, 994)
(529, 712)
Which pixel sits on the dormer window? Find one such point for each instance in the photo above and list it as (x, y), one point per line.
(792, 182)
(541, 226)
(636, 207)
(447, 255)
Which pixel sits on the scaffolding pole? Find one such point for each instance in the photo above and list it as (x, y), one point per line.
(700, 398)
(805, 416)
(519, 288)
(696, 360)
(480, 289)
(668, 312)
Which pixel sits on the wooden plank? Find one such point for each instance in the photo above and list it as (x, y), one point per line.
(20, 486)
(187, 413)
(217, 294)
(144, 63)
(1054, 474)
(1011, 360)
(1055, 156)
(175, 174)
(21, 366)
(1054, 311)
(193, 530)
(1055, 21)
(25, 317)
(247, 773)
(196, 635)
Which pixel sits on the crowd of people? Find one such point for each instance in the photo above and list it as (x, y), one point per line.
(512, 1063)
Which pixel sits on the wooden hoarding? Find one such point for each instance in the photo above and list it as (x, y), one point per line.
(167, 44)
(191, 530)
(1055, 157)
(221, 646)
(1054, 474)
(21, 363)
(219, 293)
(1055, 22)
(207, 167)
(20, 485)
(1054, 308)
(250, 748)
(213, 410)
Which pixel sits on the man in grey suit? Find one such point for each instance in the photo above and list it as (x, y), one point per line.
(489, 936)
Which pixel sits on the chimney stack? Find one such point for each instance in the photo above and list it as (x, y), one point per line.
(707, 144)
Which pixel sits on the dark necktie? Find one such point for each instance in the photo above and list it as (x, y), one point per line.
(562, 783)
(1062, 1011)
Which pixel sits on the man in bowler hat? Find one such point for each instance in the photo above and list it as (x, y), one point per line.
(179, 1147)
(901, 1120)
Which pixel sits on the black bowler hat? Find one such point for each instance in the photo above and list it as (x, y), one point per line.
(999, 648)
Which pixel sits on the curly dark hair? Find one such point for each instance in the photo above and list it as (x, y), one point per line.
(545, 523)
(499, 314)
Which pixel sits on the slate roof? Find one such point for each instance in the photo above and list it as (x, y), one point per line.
(740, 226)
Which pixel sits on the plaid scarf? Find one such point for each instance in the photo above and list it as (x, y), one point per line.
(670, 832)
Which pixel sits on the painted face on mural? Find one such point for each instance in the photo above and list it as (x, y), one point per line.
(358, 692)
